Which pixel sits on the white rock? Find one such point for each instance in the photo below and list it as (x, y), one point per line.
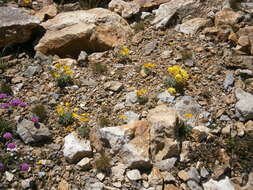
(75, 149)
(118, 172)
(166, 11)
(9, 176)
(166, 165)
(115, 136)
(84, 164)
(218, 185)
(133, 175)
(245, 104)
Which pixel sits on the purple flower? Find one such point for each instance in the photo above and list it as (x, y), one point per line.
(35, 119)
(7, 136)
(24, 167)
(2, 96)
(5, 106)
(23, 104)
(15, 102)
(1, 166)
(11, 145)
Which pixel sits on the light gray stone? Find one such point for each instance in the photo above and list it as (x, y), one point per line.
(84, 164)
(131, 116)
(114, 137)
(75, 149)
(229, 80)
(194, 25)
(187, 105)
(165, 165)
(31, 134)
(114, 86)
(244, 106)
(203, 172)
(167, 11)
(32, 70)
(224, 184)
(131, 98)
(194, 174)
(149, 47)
(82, 58)
(166, 97)
(133, 175)
(194, 185)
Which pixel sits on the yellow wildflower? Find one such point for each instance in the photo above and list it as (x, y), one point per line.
(69, 73)
(179, 78)
(39, 162)
(27, 1)
(174, 69)
(149, 65)
(172, 90)
(83, 119)
(84, 114)
(122, 117)
(66, 68)
(188, 115)
(75, 109)
(58, 65)
(141, 92)
(124, 51)
(60, 110)
(67, 104)
(75, 115)
(184, 74)
(69, 129)
(56, 74)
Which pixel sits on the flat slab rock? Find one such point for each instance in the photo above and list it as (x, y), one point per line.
(31, 134)
(96, 29)
(16, 26)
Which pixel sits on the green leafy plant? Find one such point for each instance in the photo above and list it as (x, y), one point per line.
(66, 119)
(84, 132)
(3, 65)
(103, 163)
(139, 26)
(103, 121)
(40, 111)
(5, 126)
(6, 88)
(183, 130)
(64, 81)
(99, 68)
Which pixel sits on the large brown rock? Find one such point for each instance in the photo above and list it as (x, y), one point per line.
(16, 26)
(90, 30)
(163, 125)
(227, 17)
(245, 39)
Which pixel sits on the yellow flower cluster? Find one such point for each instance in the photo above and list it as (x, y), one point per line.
(61, 109)
(141, 92)
(124, 51)
(62, 69)
(27, 1)
(122, 117)
(188, 115)
(149, 65)
(179, 74)
(172, 90)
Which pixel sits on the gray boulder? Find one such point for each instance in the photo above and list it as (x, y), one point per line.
(31, 134)
(16, 26)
